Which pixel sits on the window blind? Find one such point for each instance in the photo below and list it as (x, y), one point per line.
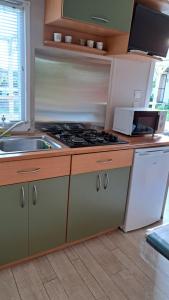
(11, 61)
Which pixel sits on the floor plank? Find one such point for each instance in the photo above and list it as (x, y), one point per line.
(55, 290)
(29, 283)
(134, 270)
(44, 269)
(8, 288)
(109, 287)
(71, 253)
(105, 258)
(88, 279)
(73, 284)
(129, 285)
(107, 242)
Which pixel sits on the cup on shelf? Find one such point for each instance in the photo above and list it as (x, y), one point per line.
(82, 42)
(90, 43)
(57, 37)
(68, 39)
(99, 45)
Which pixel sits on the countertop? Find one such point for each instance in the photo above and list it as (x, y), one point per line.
(133, 143)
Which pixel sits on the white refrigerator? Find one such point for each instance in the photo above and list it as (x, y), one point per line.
(148, 187)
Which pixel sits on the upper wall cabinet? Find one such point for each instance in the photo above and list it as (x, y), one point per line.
(113, 15)
(110, 14)
(105, 21)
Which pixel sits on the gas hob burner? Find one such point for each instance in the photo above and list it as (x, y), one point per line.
(73, 127)
(77, 140)
(57, 129)
(64, 135)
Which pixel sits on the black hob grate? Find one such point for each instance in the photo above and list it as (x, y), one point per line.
(76, 135)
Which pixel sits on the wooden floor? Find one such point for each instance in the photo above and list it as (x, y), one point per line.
(116, 266)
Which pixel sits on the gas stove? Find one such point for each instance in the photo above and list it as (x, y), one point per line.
(76, 135)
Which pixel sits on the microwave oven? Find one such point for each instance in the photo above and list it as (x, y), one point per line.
(138, 121)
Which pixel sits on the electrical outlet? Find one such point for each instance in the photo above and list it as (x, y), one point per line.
(136, 103)
(138, 94)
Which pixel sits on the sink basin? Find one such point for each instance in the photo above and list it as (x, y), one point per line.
(27, 144)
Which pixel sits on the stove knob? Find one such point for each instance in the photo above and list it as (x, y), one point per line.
(114, 138)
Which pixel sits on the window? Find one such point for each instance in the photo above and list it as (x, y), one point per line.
(160, 90)
(12, 60)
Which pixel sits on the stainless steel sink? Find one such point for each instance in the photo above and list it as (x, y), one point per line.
(27, 144)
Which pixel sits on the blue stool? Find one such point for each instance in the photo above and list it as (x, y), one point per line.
(158, 238)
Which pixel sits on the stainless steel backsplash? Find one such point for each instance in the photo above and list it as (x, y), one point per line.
(71, 91)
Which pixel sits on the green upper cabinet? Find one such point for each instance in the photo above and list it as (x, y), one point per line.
(112, 14)
(47, 213)
(97, 202)
(13, 222)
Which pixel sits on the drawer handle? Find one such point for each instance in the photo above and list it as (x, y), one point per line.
(98, 183)
(22, 203)
(35, 195)
(100, 19)
(104, 161)
(28, 171)
(106, 181)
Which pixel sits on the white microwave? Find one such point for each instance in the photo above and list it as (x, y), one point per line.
(138, 121)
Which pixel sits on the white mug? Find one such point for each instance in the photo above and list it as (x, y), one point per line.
(90, 43)
(68, 38)
(57, 37)
(99, 45)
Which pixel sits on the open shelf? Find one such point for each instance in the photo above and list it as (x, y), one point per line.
(74, 47)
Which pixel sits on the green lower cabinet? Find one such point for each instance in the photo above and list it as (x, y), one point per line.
(113, 14)
(13, 222)
(97, 202)
(47, 213)
(32, 217)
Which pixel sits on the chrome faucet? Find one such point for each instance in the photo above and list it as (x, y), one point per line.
(11, 127)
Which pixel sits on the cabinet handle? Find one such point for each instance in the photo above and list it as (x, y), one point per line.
(100, 19)
(106, 181)
(35, 195)
(98, 183)
(35, 170)
(104, 161)
(22, 200)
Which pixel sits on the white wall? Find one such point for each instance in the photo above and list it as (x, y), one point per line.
(130, 83)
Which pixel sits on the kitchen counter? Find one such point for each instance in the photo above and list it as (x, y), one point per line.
(133, 143)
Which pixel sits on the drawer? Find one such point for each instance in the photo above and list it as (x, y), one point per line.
(34, 169)
(101, 161)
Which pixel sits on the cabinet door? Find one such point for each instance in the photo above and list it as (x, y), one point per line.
(115, 187)
(13, 222)
(93, 209)
(116, 14)
(47, 213)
